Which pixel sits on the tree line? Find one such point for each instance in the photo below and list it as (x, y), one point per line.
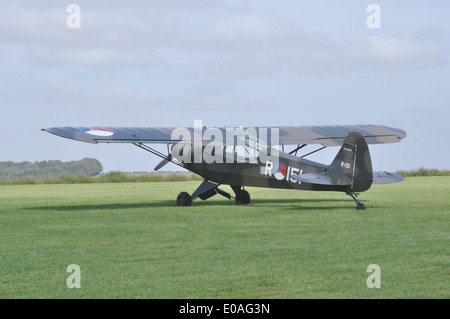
(89, 170)
(50, 169)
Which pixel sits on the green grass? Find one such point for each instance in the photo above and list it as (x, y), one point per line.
(131, 241)
(110, 177)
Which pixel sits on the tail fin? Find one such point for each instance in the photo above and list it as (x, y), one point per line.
(353, 162)
(351, 167)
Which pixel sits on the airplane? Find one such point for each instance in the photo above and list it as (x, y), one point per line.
(256, 156)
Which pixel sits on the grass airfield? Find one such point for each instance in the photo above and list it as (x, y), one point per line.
(131, 241)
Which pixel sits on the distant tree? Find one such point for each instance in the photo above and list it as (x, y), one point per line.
(90, 166)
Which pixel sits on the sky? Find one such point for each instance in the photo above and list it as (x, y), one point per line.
(249, 62)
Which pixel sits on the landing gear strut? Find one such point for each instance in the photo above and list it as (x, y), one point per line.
(208, 189)
(359, 205)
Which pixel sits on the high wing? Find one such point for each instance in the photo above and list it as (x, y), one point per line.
(327, 135)
(116, 134)
(334, 135)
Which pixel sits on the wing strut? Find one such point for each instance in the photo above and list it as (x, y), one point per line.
(297, 149)
(313, 152)
(166, 158)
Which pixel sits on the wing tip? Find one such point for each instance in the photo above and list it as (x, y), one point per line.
(71, 133)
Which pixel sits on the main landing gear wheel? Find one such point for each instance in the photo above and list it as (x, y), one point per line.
(243, 197)
(184, 199)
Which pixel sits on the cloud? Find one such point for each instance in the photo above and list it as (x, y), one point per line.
(367, 55)
(112, 36)
(246, 46)
(235, 46)
(370, 54)
(428, 35)
(82, 99)
(249, 31)
(209, 88)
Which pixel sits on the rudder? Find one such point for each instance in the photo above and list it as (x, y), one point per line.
(353, 161)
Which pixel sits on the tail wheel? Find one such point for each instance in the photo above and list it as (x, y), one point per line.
(243, 198)
(184, 199)
(360, 206)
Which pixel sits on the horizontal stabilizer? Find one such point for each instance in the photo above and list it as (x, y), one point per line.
(386, 178)
(322, 179)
